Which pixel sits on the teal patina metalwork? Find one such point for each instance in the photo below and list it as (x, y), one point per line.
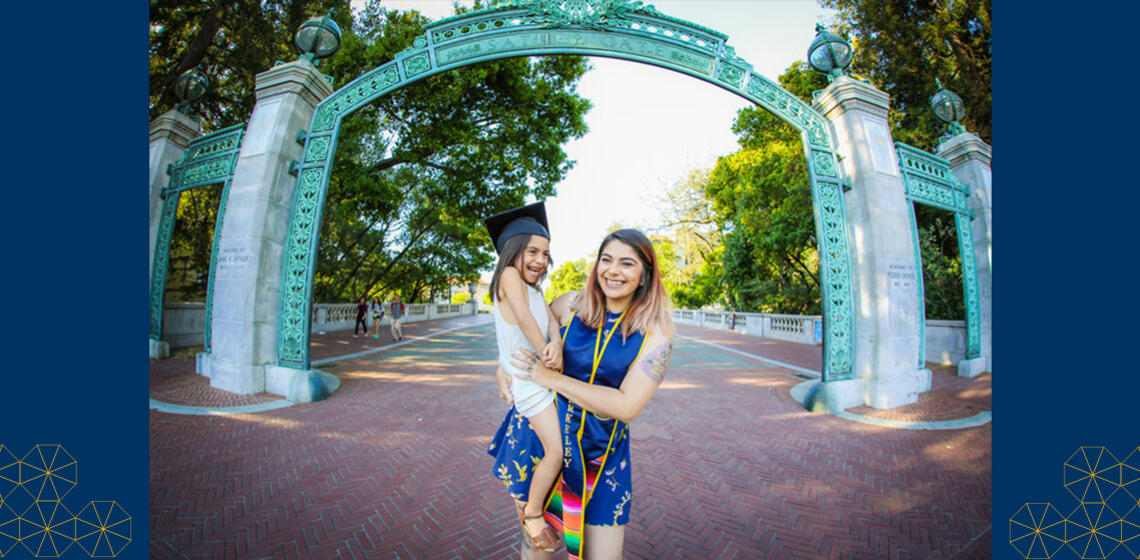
(918, 280)
(929, 180)
(624, 29)
(208, 160)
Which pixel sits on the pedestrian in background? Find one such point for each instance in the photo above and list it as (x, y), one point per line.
(361, 313)
(396, 316)
(377, 315)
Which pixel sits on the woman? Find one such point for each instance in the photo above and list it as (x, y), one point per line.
(616, 348)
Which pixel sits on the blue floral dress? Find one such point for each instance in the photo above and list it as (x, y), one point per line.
(595, 479)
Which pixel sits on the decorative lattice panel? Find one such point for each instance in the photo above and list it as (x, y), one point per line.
(623, 29)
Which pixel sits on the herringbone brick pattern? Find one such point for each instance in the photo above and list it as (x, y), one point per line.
(950, 397)
(726, 465)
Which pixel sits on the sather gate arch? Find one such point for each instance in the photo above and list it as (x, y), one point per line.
(610, 28)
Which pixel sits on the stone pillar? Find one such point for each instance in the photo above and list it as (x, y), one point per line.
(247, 283)
(970, 159)
(170, 134)
(884, 275)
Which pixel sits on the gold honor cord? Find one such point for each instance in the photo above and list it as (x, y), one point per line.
(586, 490)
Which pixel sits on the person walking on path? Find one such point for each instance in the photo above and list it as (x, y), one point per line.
(361, 313)
(377, 316)
(396, 316)
(607, 381)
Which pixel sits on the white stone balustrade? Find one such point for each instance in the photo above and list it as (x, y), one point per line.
(183, 323)
(945, 340)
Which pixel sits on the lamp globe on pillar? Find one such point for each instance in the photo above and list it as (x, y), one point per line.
(948, 107)
(318, 38)
(190, 87)
(829, 54)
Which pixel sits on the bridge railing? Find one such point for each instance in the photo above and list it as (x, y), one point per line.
(183, 324)
(793, 328)
(945, 340)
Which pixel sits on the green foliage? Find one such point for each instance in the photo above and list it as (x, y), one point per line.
(232, 41)
(191, 243)
(762, 199)
(416, 170)
(567, 278)
(903, 45)
(941, 263)
(690, 256)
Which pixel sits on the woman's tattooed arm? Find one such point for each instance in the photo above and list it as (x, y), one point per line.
(657, 362)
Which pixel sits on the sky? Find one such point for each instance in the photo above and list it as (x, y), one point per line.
(650, 127)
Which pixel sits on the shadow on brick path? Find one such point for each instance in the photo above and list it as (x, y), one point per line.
(726, 464)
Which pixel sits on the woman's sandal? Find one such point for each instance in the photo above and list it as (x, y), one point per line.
(546, 539)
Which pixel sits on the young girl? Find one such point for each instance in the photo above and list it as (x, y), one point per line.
(523, 321)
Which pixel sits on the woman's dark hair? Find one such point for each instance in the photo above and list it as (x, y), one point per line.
(512, 249)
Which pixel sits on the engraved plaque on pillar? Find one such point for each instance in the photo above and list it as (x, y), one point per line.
(902, 295)
(882, 149)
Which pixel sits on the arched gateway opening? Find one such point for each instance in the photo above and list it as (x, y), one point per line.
(622, 29)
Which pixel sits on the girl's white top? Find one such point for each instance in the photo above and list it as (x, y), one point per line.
(530, 398)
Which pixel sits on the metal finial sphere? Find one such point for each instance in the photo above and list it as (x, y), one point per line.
(319, 37)
(829, 53)
(191, 85)
(947, 105)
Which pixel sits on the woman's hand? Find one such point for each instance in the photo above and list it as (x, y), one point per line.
(532, 367)
(504, 380)
(552, 355)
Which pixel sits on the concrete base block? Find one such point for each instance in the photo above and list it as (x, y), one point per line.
(300, 385)
(971, 368)
(925, 377)
(898, 389)
(834, 396)
(236, 378)
(159, 349)
(202, 363)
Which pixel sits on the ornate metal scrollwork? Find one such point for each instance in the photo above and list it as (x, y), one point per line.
(208, 160)
(618, 28)
(929, 180)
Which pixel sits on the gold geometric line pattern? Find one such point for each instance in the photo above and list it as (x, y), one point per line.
(32, 513)
(1106, 521)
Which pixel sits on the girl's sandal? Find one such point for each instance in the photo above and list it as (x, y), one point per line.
(546, 539)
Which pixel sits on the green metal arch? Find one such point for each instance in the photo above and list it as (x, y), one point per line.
(610, 28)
(928, 179)
(208, 160)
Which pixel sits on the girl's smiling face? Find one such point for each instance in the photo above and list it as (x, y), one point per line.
(619, 274)
(534, 260)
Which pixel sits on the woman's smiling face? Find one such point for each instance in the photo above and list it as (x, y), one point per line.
(535, 258)
(619, 274)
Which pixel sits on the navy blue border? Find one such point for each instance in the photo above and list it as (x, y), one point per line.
(75, 281)
(75, 273)
(1064, 201)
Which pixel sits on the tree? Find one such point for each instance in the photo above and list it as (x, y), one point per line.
(418, 169)
(691, 247)
(191, 244)
(941, 263)
(232, 41)
(569, 277)
(762, 198)
(903, 45)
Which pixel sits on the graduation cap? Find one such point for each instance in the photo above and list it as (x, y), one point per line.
(528, 220)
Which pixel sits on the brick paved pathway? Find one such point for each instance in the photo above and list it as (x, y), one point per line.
(726, 464)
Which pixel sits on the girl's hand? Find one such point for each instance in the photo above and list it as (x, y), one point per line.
(552, 355)
(504, 380)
